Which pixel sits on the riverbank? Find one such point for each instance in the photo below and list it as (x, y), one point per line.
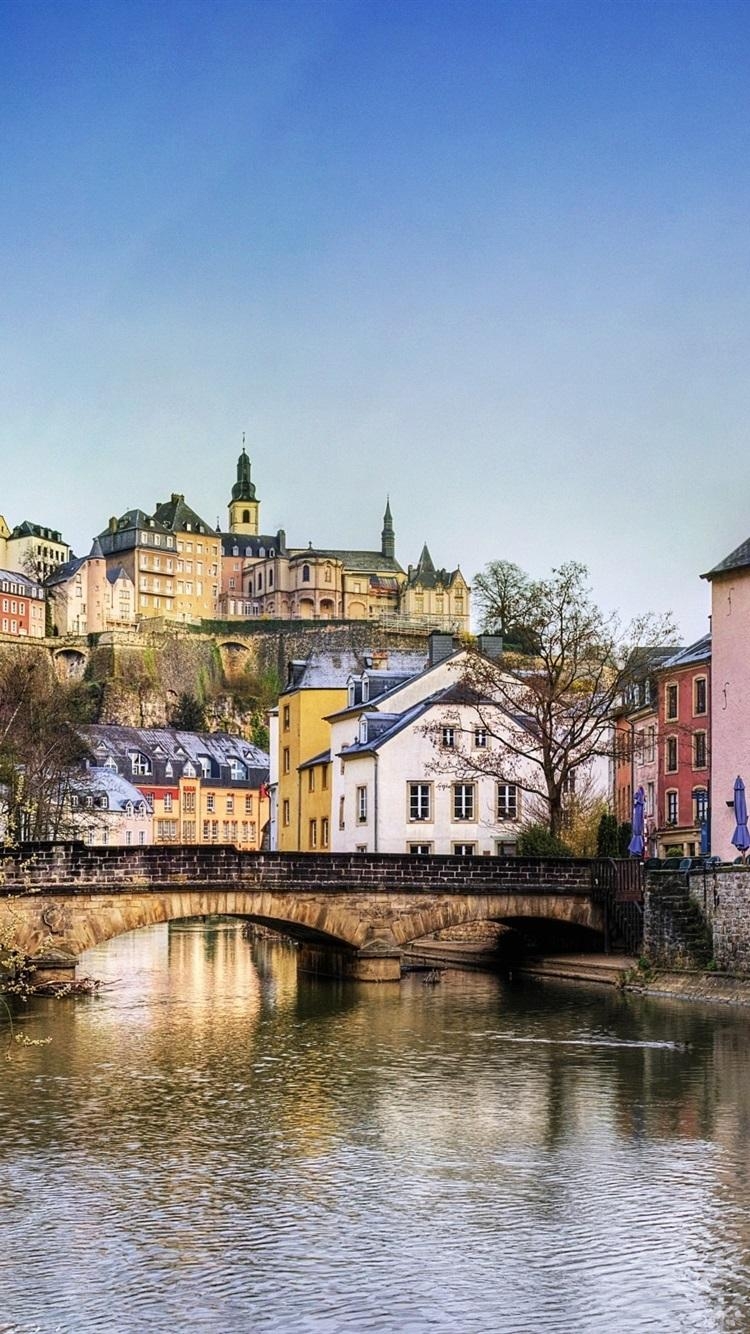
(612, 970)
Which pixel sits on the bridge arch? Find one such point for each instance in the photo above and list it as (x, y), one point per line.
(505, 909)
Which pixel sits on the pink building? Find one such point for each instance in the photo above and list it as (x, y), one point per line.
(730, 691)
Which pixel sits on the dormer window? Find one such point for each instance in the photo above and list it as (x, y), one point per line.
(140, 764)
(168, 769)
(110, 763)
(128, 808)
(271, 551)
(188, 528)
(237, 770)
(235, 551)
(365, 689)
(205, 765)
(362, 731)
(189, 770)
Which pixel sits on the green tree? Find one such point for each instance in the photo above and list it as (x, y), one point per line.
(188, 714)
(537, 841)
(607, 841)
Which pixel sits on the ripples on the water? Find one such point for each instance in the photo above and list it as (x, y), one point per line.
(210, 1144)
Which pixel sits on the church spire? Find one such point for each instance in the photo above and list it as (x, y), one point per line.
(244, 505)
(388, 536)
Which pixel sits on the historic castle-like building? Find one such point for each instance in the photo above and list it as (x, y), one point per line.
(263, 576)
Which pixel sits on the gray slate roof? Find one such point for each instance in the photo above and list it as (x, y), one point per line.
(99, 781)
(323, 670)
(698, 652)
(736, 560)
(178, 517)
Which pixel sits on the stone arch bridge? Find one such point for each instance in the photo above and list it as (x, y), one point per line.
(357, 911)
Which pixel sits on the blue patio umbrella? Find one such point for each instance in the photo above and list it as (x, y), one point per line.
(636, 844)
(741, 835)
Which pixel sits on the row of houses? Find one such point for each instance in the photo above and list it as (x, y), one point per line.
(142, 785)
(394, 752)
(683, 735)
(171, 565)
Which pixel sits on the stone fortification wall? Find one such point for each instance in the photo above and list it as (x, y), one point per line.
(235, 670)
(675, 932)
(724, 897)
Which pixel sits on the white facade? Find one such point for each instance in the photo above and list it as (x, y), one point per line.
(106, 810)
(411, 793)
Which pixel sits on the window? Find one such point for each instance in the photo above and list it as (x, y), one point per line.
(650, 745)
(230, 805)
(449, 737)
(463, 801)
(671, 702)
(285, 816)
(324, 777)
(650, 805)
(672, 807)
(420, 849)
(210, 802)
(311, 780)
(313, 834)
(248, 803)
(305, 574)
(341, 812)
(286, 760)
(671, 755)
(464, 849)
(700, 695)
(700, 804)
(140, 764)
(699, 750)
(480, 738)
(361, 805)
(504, 849)
(286, 717)
(236, 770)
(188, 801)
(324, 837)
(419, 801)
(167, 801)
(507, 801)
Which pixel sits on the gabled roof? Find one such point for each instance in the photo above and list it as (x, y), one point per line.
(738, 559)
(178, 517)
(131, 521)
(425, 575)
(323, 758)
(698, 652)
(171, 744)
(27, 529)
(361, 562)
(64, 572)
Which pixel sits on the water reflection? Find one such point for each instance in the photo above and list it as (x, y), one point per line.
(213, 1143)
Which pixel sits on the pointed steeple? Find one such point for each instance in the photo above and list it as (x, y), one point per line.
(388, 536)
(244, 505)
(243, 488)
(96, 552)
(424, 564)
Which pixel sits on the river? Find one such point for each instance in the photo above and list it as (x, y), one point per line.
(212, 1143)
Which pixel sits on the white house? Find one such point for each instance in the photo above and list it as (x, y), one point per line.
(106, 809)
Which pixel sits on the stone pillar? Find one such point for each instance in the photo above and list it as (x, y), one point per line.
(351, 965)
(55, 966)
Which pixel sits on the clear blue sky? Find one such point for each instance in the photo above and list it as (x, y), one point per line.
(490, 258)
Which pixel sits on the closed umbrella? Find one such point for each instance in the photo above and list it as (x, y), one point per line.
(636, 844)
(741, 835)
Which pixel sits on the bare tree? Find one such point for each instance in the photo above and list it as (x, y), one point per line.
(38, 747)
(546, 715)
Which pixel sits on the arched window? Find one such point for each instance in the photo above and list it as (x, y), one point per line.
(270, 578)
(237, 770)
(305, 574)
(245, 516)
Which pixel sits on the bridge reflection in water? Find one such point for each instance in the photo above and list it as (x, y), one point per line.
(354, 913)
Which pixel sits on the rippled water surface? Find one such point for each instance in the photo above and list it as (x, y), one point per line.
(212, 1144)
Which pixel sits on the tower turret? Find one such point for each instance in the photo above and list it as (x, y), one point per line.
(244, 505)
(388, 537)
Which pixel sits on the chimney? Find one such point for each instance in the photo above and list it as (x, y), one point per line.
(441, 647)
(490, 646)
(113, 524)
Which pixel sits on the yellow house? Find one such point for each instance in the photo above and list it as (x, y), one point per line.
(302, 766)
(314, 788)
(303, 737)
(197, 560)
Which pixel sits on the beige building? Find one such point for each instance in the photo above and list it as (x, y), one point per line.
(32, 549)
(85, 597)
(146, 551)
(198, 560)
